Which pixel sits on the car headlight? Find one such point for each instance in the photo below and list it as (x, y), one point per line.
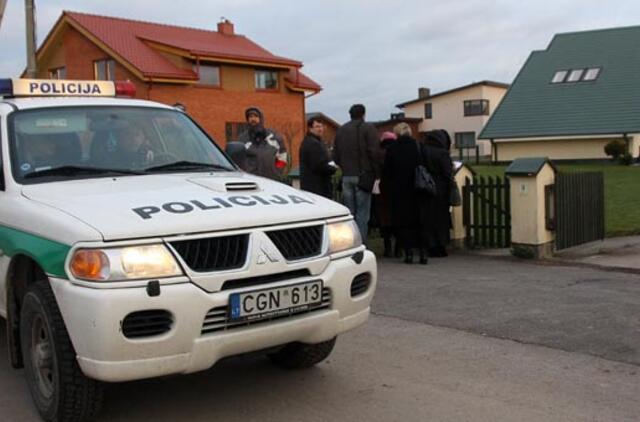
(343, 235)
(128, 263)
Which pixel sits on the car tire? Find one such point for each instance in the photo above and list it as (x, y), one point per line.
(60, 391)
(302, 355)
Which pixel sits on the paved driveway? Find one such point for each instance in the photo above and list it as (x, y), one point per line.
(570, 308)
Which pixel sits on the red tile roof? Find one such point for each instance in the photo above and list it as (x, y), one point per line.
(130, 39)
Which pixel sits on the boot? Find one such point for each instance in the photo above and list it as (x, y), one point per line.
(408, 256)
(424, 258)
(387, 247)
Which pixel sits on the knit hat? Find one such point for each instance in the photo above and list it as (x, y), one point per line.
(388, 136)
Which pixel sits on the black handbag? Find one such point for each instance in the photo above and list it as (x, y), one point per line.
(366, 178)
(423, 180)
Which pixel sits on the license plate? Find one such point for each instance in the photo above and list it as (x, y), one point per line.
(277, 301)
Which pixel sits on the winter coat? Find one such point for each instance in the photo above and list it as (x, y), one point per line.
(266, 152)
(434, 212)
(398, 174)
(356, 156)
(315, 171)
(383, 200)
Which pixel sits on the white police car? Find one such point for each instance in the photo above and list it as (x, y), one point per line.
(131, 247)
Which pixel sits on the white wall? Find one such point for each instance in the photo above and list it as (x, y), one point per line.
(448, 112)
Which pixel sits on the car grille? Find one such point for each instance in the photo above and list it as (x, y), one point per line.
(264, 279)
(213, 253)
(298, 243)
(147, 323)
(217, 318)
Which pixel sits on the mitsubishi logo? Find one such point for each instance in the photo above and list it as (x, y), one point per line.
(267, 254)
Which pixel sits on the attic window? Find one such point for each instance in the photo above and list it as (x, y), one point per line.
(591, 74)
(575, 75)
(559, 76)
(207, 74)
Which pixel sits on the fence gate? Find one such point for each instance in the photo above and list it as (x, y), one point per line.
(487, 212)
(579, 208)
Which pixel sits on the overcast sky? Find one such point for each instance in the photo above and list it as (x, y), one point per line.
(375, 52)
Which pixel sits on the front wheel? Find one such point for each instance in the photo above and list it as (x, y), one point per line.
(59, 389)
(301, 355)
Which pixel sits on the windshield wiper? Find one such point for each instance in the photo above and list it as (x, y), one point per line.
(187, 165)
(75, 170)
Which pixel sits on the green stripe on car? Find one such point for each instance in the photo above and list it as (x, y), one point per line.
(48, 254)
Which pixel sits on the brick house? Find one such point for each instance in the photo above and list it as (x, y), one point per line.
(216, 75)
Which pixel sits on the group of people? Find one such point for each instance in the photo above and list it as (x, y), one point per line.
(378, 174)
(381, 171)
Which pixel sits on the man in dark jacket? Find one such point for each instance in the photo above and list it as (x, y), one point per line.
(316, 168)
(266, 153)
(355, 151)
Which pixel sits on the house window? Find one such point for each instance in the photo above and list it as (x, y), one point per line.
(428, 111)
(591, 74)
(104, 70)
(266, 79)
(233, 130)
(575, 75)
(58, 73)
(465, 140)
(476, 108)
(207, 74)
(559, 76)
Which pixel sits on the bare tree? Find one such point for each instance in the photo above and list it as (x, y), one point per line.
(290, 131)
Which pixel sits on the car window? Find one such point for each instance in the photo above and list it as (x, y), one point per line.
(116, 138)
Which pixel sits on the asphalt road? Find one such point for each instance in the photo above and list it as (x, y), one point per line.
(464, 339)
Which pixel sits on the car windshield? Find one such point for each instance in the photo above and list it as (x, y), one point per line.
(66, 143)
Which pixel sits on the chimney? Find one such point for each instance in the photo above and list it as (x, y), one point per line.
(424, 92)
(225, 27)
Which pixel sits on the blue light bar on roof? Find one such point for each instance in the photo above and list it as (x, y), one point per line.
(6, 87)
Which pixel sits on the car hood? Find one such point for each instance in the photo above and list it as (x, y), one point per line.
(173, 204)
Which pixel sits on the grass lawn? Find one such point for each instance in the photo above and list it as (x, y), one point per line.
(621, 190)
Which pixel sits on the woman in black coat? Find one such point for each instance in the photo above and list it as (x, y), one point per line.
(401, 160)
(435, 217)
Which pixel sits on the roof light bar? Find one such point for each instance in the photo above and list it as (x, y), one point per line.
(125, 89)
(6, 87)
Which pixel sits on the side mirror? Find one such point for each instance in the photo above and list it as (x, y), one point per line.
(237, 152)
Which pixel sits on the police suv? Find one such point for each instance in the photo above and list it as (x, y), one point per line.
(132, 247)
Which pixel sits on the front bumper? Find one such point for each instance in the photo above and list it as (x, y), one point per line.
(93, 318)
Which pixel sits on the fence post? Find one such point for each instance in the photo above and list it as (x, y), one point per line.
(462, 176)
(530, 235)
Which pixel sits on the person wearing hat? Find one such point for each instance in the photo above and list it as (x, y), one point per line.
(266, 152)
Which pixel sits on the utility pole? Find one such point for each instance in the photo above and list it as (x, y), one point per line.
(3, 3)
(30, 12)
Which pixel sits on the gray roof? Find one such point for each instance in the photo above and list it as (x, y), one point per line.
(527, 166)
(534, 107)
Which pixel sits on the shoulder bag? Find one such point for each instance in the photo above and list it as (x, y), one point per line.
(423, 180)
